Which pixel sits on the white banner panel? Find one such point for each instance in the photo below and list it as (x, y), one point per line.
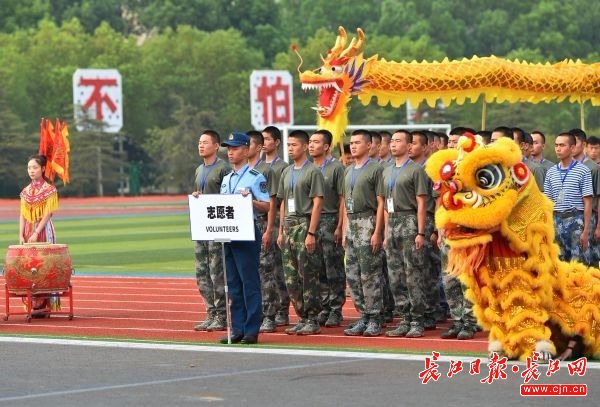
(221, 217)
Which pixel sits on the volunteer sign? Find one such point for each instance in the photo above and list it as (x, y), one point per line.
(221, 217)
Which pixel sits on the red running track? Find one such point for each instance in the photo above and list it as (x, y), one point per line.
(166, 309)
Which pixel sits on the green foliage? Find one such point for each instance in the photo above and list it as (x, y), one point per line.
(124, 244)
(188, 61)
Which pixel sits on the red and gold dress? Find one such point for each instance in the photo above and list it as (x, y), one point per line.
(38, 199)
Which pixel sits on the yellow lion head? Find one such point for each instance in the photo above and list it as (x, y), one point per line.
(479, 187)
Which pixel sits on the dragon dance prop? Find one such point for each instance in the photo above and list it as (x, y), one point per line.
(500, 231)
(345, 72)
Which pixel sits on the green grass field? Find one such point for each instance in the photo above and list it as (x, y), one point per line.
(138, 244)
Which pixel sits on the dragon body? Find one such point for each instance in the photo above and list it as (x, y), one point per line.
(345, 72)
(500, 231)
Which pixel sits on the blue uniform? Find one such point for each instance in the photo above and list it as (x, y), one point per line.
(242, 258)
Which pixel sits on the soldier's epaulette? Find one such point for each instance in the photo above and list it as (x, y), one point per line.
(254, 172)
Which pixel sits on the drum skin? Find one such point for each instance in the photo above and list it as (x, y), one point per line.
(39, 267)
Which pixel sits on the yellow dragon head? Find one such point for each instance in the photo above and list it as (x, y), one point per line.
(341, 75)
(485, 190)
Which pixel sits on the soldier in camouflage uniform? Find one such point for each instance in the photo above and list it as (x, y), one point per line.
(209, 260)
(405, 216)
(433, 311)
(272, 140)
(464, 323)
(301, 194)
(265, 223)
(333, 279)
(379, 143)
(364, 195)
(591, 256)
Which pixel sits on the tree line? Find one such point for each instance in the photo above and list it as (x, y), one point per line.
(186, 64)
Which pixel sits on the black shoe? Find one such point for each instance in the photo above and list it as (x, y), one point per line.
(249, 339)
(235, 338)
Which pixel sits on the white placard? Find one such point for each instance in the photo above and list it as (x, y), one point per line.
(221, 217)
(271, 99)
(98, 98)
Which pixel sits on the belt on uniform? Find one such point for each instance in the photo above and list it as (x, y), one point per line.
(329, 215)
(362, 214)
(401, 213)
(290, 222)
(568, 214)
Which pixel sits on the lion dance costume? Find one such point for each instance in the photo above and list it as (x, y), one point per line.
(500, 231)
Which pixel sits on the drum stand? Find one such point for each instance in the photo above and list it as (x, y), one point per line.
(29, 295)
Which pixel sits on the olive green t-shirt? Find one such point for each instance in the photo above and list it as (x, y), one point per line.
(403, 184)
(266, 170)
(207, 179)
(430, 204)
(301, 185)
(539, 173)
(595, 169)
(333, 174)
(362, 186)
(277, 165)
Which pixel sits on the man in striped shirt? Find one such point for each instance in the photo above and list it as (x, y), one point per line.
(569, 185)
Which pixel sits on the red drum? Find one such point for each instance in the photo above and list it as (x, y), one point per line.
(40, 267)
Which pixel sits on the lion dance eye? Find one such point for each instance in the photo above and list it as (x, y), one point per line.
(490, 176)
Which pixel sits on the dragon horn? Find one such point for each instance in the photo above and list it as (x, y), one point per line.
(340, 42)
(354, 46)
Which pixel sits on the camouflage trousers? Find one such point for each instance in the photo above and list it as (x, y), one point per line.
(461, 309)
(363, 267)
(568, 231)
(210, 276)
(434, 281)
(408, 268)
(593, 251)
(389, 304)
(284, 296)
(333, 280)
(302, 269)
(270, 259)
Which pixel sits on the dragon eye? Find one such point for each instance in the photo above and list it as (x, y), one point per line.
(490, 176)
(332, 68)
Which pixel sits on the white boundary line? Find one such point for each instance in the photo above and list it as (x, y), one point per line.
(175, 380)
(243, 349)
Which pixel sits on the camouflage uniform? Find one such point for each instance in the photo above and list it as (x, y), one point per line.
(389, 304)
(270, 295)
(333, 279)
(363, 267)
(567, 187)
(408, 268)
(209, 256)
(461, 309)
(436, 303)
(362, 186)
(283, 304)
(592, 255)
(568, 230)
(300, 267)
